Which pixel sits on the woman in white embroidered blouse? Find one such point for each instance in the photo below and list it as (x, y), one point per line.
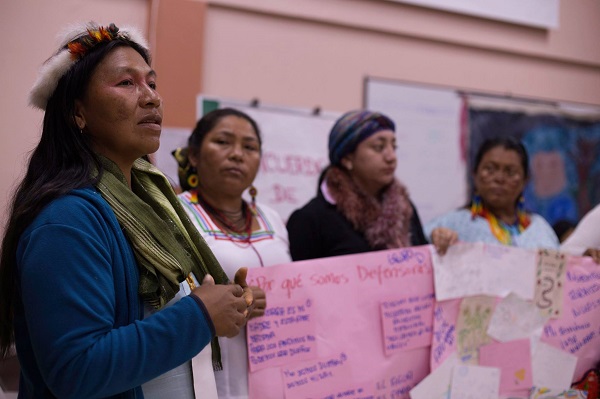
(219, 164)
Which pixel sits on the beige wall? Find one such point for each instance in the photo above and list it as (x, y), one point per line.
(315, 52)
(28, 29)
(301, 53)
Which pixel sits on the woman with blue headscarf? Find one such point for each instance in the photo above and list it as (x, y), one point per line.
(360, 206)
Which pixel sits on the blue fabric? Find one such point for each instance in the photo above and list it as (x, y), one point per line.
(78, 325)
(538, 234)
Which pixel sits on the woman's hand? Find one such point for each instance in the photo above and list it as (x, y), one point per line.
(260, 302)
(248, 295)
(256, 298)
(225, 304)
(442, 238)
(594, 253)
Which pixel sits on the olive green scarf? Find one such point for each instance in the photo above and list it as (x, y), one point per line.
(166, 244)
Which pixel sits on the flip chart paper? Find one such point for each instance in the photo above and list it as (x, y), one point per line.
(335, 306)
(437, 384)
(515, 318)
(577, 331)
(345, 295)
(475, 382)
(552, 367)
(469, 269)
(513, 359)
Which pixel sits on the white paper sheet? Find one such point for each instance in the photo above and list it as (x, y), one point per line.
(437, 384)
(475, 382)
(515, 318)
(552, 367)
(469, 269)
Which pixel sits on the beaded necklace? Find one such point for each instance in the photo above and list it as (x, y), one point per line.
(501, 230)
(235, 226)
(243, 224)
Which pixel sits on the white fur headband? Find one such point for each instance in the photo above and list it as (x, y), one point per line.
(75, 40)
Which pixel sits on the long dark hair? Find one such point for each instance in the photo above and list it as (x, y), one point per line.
(62, 161)
(208, 123)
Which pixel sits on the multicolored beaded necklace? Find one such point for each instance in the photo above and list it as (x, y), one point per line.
(247, 211)
(499, 229)
(221, 217)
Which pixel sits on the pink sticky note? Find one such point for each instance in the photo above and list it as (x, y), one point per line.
(283, 334)
(513, 358)
(407, 322)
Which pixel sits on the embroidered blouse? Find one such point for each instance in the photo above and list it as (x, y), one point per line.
(267, 246)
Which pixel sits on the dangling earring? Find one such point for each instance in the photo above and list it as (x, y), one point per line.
(521, 204)
(192, 178)
(192, 181)
(253, 191)
(522, 216)
(476, 205)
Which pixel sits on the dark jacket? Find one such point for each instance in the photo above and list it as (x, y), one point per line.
(318, 230)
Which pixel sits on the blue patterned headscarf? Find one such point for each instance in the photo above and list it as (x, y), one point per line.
(351, 129)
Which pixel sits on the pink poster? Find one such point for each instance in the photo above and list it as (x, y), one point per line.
(513, 358)
(573, 326)
(577, 331)
(368, 325)
(334, 335)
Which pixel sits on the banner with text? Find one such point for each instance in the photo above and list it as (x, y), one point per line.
(369, 326)
(358, 326)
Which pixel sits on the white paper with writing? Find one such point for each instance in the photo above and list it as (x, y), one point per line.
(469, 269)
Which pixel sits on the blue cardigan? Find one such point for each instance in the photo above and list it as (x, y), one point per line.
(78, 322)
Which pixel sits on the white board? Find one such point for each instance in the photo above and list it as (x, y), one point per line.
(430, 160)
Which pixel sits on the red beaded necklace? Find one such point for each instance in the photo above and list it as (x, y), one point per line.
(225, 221)
(218, 214)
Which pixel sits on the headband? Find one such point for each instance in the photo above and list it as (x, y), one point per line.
(76, 41)
(351, 129)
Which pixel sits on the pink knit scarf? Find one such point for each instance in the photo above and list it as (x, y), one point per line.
(385, 222)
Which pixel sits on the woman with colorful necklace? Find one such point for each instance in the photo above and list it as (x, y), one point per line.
(219, 164)
(496, 214)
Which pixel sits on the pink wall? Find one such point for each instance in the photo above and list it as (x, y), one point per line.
(29, 29)
(302, 53)
(313, 52)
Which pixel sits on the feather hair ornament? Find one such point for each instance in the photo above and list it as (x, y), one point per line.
(75, 41)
